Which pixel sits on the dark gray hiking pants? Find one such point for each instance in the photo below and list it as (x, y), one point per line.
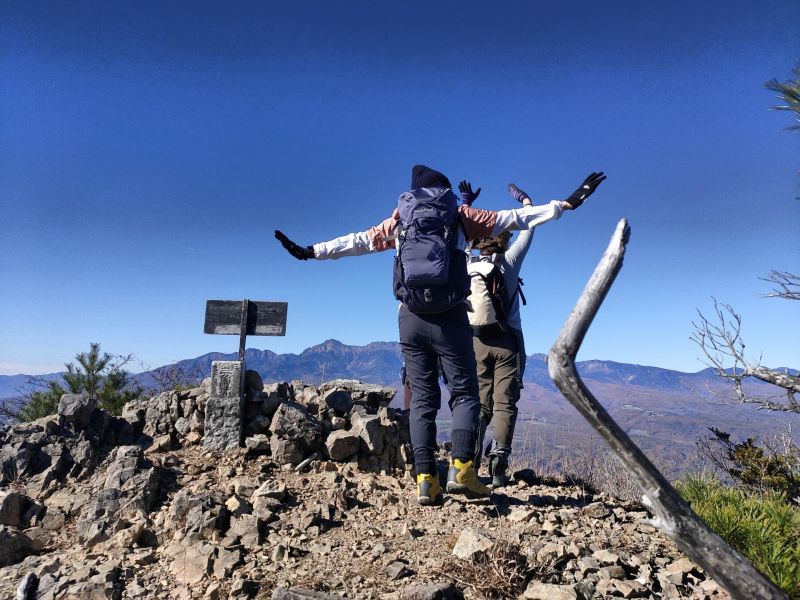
(427, 341)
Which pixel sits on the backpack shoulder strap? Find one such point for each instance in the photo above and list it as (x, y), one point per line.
(520, 283)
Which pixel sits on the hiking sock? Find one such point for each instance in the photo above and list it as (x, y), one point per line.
(426, 468)
(463, 441)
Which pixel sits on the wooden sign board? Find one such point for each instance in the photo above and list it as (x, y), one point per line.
(245, 317)
(225, 317)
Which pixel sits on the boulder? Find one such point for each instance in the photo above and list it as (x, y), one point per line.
(14, 546)
(226, 562)
(596, 510)
(286, 452)
(293, 422)
(247, 530)
(537, 590)
(338, 400)
(270, 489)
(191, 564)
(99, 520)
(77, 409)
(397, 570)
(26, 590)
(257, 443)
(341, 445)
(470, 542)
(370, 396)
(253, 383)
(13, 507)
(182, 426)
(369, 429)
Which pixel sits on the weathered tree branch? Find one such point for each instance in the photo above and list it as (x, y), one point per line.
(672, 515)
(779, 378)
(787, 285)
(722, 343)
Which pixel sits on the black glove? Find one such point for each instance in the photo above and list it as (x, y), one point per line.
(587, 188)
(467, 195)
(516, 193)
(298, 252)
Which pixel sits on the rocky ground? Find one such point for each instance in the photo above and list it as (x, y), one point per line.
(319, 504)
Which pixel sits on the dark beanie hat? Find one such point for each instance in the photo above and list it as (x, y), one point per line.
(422, 176)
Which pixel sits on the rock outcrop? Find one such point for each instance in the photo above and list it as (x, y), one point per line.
(318, 503)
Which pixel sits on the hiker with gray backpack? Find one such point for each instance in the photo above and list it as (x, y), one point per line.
(494, 315)
(430, 231)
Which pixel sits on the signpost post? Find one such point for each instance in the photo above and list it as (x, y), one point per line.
(225, 405)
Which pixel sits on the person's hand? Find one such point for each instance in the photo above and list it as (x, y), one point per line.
(467, 195)
(587, 188)
(299, 252)
(518, 194)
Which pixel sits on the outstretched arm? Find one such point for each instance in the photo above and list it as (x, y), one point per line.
(519, 249)
(486, 223)
(375, 239)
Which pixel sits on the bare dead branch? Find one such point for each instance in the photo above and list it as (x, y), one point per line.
(722, 344)
(787, 285)
(672, 514)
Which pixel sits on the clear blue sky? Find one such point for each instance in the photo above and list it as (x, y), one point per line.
(149, 149)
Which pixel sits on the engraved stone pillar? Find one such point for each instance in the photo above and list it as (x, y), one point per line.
(225, 406)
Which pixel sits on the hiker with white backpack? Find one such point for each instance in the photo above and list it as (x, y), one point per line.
(430, 233)
(494, 315)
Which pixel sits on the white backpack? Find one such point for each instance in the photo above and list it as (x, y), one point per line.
(489, 302)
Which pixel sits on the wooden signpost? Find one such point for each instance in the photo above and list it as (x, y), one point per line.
(224, 424)
(245, 317)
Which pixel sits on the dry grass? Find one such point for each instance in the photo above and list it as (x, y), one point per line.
(589, 464)
(500, 573)
(597, 468)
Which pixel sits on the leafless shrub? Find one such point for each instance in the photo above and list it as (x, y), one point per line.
(721, 341)
(498, 573)
(533, 449)
(771, 463)
(172, 378)
(596, 468)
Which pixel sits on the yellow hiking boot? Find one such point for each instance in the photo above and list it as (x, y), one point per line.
(428, 489)
(462, 479)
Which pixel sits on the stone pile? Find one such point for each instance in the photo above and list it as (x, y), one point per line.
(342, 420)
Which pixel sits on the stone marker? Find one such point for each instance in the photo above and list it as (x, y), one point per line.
(225, 406)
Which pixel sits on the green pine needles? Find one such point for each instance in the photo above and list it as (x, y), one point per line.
(101, 375)
(789, 94)
(763, 527)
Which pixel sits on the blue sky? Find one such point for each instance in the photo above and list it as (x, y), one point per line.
(148, 151)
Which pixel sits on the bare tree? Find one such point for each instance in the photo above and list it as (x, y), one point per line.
(170, 378)
(787, 285)
(673, 515)
(721, 341)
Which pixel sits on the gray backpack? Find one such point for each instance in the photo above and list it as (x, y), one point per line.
(430, 271)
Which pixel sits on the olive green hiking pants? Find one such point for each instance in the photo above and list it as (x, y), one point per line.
(499, 377)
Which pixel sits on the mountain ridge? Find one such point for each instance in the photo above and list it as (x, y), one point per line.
(380, 362)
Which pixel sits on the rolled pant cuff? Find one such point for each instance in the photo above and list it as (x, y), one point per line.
(425, 468)
(463, 442)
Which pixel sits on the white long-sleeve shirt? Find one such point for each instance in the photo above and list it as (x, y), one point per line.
(476, 223)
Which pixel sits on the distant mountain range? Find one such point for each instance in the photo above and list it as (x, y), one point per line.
(665, 411)
(380, 362)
